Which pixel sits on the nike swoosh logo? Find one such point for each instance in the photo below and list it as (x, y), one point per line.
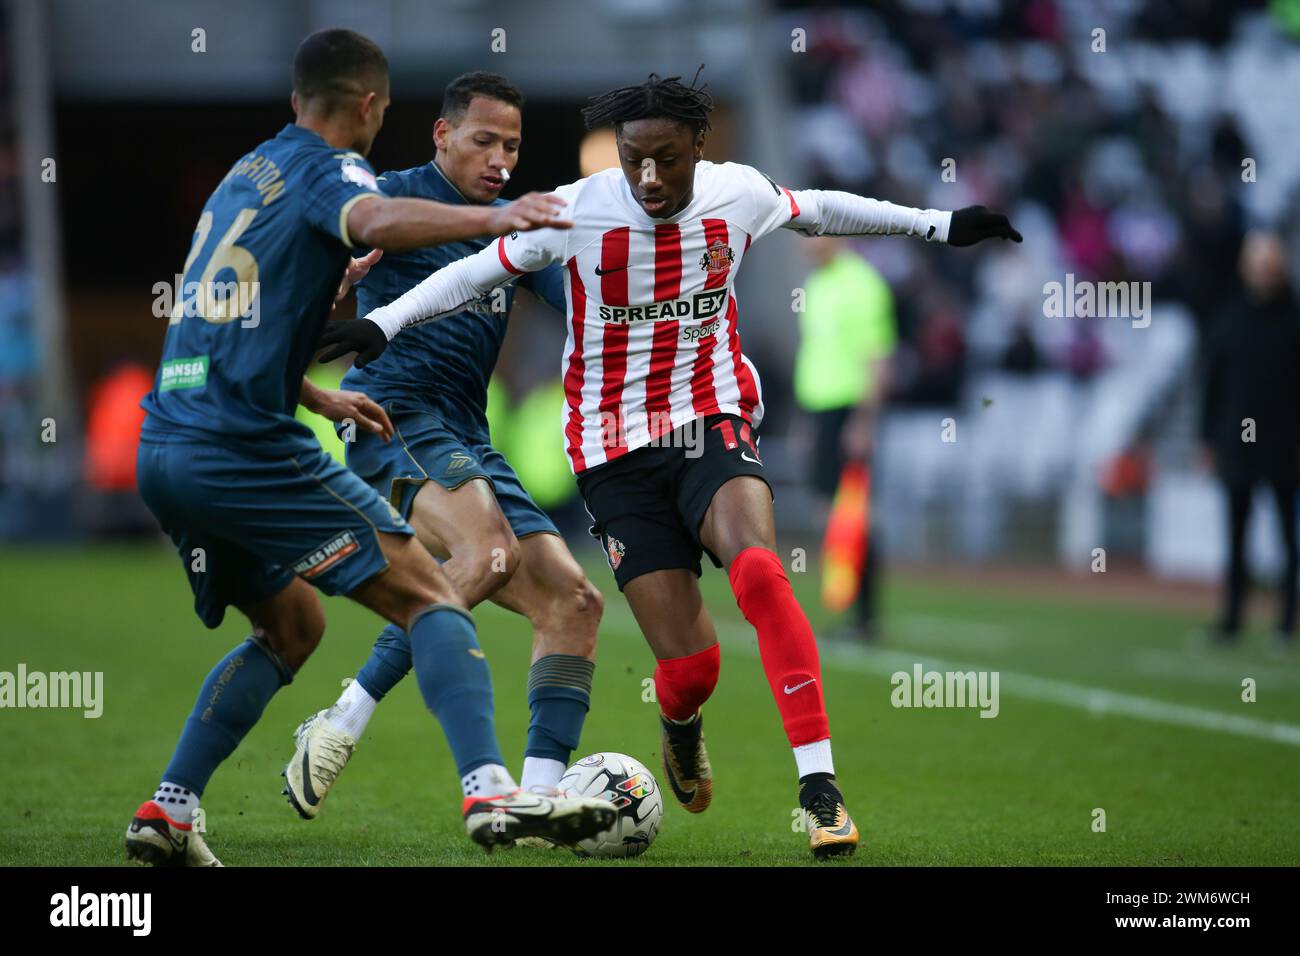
(682, 795)
(539, 807)
(605, 272)
(179, 844)
(747, 458)
(307, 792)
(791, 690)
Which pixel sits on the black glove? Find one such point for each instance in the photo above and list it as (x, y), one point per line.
(358, 335)
(974, 223)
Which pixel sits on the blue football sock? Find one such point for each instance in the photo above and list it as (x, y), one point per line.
(559, 695)
(389, 662)
(454, 680)
(229, 704)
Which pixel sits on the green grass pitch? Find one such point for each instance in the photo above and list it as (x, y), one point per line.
(1102, 706)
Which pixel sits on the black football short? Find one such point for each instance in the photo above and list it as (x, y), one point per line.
(649, 504)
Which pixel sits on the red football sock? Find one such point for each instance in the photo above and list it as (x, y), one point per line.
(682, 684)
(785, 643)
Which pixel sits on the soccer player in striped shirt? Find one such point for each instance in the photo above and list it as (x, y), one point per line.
(663, 406)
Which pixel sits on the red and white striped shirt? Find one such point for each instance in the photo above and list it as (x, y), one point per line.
(653, 340)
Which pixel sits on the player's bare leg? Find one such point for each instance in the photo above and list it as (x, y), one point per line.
(292, 622)
(452, 672)
(740, 529)
(553, 592)
(564, 607)
(466, 527)
(412, 582)
(537, 578)
(671, 614)
(287, 627)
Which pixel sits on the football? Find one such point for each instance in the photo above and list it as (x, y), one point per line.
(628, 785)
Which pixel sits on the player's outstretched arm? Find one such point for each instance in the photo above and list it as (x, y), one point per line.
(343, 406)
(399, 224)
(441, 294)
(833, 213)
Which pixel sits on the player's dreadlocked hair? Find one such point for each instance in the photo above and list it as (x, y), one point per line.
(656, 97)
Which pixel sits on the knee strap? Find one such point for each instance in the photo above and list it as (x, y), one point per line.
(440, 606)
(281, 665)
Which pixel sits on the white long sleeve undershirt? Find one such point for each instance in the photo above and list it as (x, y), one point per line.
(443, 293)
(821, 213)
(824, 212)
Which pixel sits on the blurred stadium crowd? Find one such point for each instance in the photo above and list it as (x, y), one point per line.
(1129, 142)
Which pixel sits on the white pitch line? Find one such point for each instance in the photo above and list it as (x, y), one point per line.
(1208, 670)
(926, 629)
(1095, 700)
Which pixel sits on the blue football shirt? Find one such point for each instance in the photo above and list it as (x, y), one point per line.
(265, 263)
(444, 364)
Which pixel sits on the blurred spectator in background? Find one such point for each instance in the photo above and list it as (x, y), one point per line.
(113, 420)
(841, 374)
(1250, 422)
(113, 423)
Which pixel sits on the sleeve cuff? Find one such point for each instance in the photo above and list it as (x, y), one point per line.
(505, 260)
(941, 222)
(347, 208)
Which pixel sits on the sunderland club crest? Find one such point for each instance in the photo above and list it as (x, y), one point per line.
(616, 551)
(717, 258)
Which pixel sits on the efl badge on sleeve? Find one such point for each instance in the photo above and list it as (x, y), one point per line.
(352, 173)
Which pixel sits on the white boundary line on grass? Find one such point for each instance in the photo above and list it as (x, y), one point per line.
(1095, 700)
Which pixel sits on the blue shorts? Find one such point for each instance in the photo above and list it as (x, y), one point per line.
(426, 446)
(245, 524)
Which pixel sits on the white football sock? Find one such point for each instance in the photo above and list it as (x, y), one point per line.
(542, 772)
(177, 802)
(489, 780)
(814, 758)
(353, 710)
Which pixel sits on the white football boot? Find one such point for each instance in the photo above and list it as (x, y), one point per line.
(155, 839)
(536, 842)
(322, 752)
(501, 820)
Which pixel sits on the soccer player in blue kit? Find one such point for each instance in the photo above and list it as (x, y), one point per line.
(258, 512)
(442, 473)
